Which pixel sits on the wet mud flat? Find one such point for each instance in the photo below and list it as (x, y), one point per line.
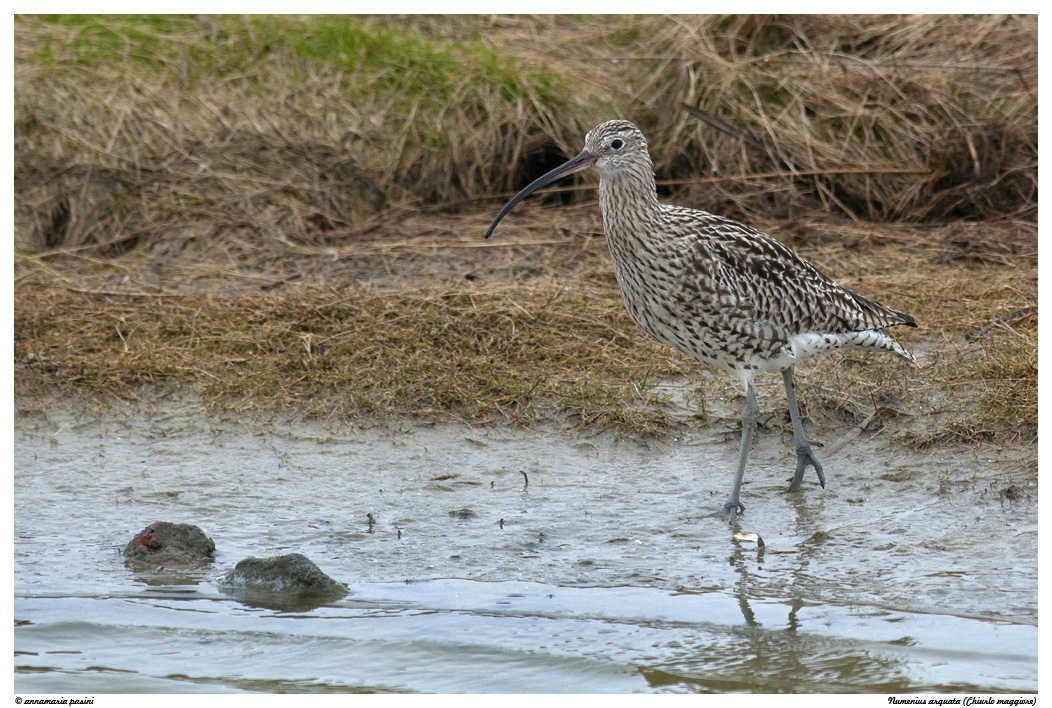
(497, 560)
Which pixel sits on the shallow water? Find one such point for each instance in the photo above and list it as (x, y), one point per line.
(508, 561)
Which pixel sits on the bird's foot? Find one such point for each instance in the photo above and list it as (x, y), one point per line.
(729, 512)
(804, 457)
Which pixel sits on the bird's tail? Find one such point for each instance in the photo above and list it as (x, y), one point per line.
(875, 338)
(899, 349)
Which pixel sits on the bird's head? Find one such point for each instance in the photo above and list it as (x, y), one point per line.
(616, 146)
(612, 148)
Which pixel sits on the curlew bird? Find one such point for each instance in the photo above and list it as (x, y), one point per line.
(725, 294)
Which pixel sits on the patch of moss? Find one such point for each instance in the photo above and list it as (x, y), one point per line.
(181, 46)
(101, 38)
(409, 67)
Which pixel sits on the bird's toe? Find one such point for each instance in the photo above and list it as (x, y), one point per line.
(729, 512)
(805, 457)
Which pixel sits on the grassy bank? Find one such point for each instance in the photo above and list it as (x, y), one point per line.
(286, 213)
(133, 130)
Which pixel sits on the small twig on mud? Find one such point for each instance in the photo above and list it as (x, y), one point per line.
(121, 334)
(118, 293)
(977, 169)
(857, 430)
(1010, 317)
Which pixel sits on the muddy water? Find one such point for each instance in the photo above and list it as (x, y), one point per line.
(506, 561)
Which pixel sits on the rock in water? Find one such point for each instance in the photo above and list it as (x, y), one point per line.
(288, 582)
(171, 545)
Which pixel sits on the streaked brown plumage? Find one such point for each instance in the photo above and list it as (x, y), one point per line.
(722, 292)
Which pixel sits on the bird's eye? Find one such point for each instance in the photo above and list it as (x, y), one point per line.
(617, 143)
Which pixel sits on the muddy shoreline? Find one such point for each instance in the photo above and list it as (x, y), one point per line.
(596, 570)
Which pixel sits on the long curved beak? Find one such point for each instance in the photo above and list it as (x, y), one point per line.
(581, 162)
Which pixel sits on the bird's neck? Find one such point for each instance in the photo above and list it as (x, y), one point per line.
(629, 200)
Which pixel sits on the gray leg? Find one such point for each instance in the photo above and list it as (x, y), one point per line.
(731, 509)
(804, 455)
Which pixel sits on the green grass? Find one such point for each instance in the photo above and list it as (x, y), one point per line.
(141, 41)
(415, 72)
(412, 69)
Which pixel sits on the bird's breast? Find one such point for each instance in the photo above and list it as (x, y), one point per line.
(663, 297)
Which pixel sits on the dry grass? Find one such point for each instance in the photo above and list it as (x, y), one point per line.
(925, 118)
(286, 213)
(524, 331)
(175, 133)
(518, 355)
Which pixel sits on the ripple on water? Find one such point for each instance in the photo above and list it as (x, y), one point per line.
(596, 571)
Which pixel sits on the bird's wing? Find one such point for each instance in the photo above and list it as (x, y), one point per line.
(768, 282)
